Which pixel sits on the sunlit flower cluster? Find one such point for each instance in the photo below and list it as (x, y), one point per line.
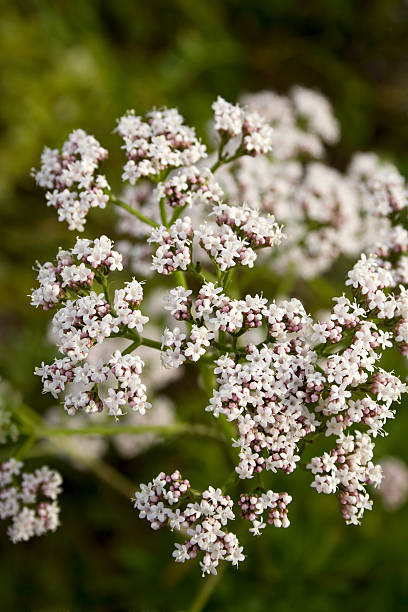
(75, 270)
(69, 176)
(203, 521)
(157, 143)
(275, 377)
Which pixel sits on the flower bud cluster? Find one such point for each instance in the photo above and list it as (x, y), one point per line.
(69, 176)
(25, 499)
(176, 347)
(253, 506)
(75, 270)
(202, 521)
(121, 374)
(189, 186)
(264, 394)
(224, 247)
(233, 120)
(258, 231)
(157, 143)
(346, 470)
(174, 250)
(78, 326)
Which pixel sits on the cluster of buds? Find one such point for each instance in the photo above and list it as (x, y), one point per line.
(78, 326)
(347, 470)
(258, 230)
(174, 250)
(75, 270)
(189, 186)
(165, 501)
(234, 121)
(253, 507)
(121, 372)
(176, 347)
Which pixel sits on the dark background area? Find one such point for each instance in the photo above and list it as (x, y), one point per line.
(74, 64)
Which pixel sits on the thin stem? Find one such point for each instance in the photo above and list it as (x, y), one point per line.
(133, 211)
(180, 278)
(104, 282)
(139, 341)
(163, 214)
(131, 347)
(207, 589)
(225, 159)
(99, 467)
(204, 277)
(179, 210)
(176, 429)
(152, 343)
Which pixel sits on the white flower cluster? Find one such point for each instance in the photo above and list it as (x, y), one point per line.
(233, 120)
(75, 270)
(266, 395)
(176, 347)
(203, 521)
(254, 506)
(388, 190)
(224, 247)
(301, 121)
(69, 176)
(25, 498)
(78, 326)
(174, 252)
(325, 213)
(317, 112)
(349, 469)
(238, 233)
(256, 229)
(281, 378)
(157, 143)
(189, 186)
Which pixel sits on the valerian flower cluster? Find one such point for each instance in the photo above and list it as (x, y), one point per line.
(279, 378)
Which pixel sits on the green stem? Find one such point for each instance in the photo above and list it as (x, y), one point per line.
(207, 589)
(139, 341)
(176, 429)
(179, 210)
(133, 211)
(163, 214)
(180, 278)
(226, 160)
(112, 477)
(152, 343)
(104, 282)
(131, 347)
(204, 277)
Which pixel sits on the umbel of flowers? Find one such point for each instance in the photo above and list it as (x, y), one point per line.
(280, 378)
(29, 500)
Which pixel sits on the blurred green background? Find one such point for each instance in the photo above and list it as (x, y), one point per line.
(71, 64)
